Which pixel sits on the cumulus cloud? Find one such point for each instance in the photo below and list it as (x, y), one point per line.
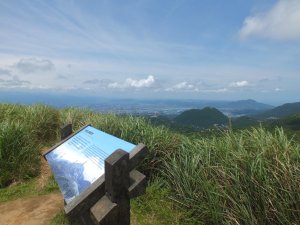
(129, 82)
(281, 22)
(239, 84)
(182, 86)
(31, 65)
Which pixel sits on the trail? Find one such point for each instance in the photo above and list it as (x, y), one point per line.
(31, 211)
(38, 210)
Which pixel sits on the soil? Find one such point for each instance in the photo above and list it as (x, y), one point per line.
(37, 210)
(31, 211)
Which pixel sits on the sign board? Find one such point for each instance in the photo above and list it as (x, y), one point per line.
(79, 161)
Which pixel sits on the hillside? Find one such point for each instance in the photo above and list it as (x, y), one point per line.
(292, 122)
(243, 121)
(281, 111)
(248, 176)
(249, 104)
(202, 118)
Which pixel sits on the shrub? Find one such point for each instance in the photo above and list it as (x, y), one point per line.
(19, 158)
(43, 121)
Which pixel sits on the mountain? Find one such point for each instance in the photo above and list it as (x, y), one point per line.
(203, 118)
(280, 111)
(243, 107)
(291, 122)
(243, 121)
(248, 104)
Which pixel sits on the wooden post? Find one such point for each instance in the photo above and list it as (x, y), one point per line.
(91, 197)
(107, 200)
(114, 207)
(66, 131)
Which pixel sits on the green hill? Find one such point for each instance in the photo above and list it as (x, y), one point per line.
(292, 122)
(243, 121)
(204, 118)
(281, 111)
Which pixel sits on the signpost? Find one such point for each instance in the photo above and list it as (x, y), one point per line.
(95, 173)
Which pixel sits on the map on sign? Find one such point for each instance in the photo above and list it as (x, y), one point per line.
(79, 161)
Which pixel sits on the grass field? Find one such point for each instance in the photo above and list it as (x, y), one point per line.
(249, 176)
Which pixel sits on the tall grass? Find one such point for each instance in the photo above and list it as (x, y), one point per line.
(23, 130)
(244, 177)
(160, 141)
(248, 177)
(18, 154)
(42, 121)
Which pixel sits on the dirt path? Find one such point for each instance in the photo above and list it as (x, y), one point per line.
(37, 210)
(31, 211)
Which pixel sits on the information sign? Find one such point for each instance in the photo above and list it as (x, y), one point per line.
(79, 161)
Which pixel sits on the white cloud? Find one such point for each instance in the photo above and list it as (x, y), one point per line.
(239, 84)
(129, 82)
(140, 83)
(183, 86)
(31, 65)
(219, 90)
(281, 22)
(277, 89)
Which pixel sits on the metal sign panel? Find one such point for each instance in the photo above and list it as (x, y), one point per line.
(79, 161)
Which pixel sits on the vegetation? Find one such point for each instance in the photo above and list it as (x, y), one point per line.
(281, 111)
(249, 176)
(202, 118)
(23, 130)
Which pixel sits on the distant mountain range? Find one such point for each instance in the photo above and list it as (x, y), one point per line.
(191, 112)
(210, 117)
(280, 111)
(170, 107)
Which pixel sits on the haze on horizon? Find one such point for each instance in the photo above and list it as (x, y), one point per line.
(193, 49)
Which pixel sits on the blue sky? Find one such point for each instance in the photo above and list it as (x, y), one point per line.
(203, 49)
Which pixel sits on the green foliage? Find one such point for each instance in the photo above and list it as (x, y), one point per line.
(160, 141)
(202, 118)
(153, 208)
(19, 190)
(248, 177)
(43, 121)
(156, 208)
(244, 121)
(50, 186)
(23, 130)
(220, 177)
(19, 157)
(281, 111)
(61, 219)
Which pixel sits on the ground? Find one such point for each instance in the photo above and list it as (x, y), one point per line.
(38, 210)
(31, 211)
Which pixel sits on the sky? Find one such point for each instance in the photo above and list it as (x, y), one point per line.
(184, 49)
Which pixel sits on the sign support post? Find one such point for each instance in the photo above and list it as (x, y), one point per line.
(107, 200)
